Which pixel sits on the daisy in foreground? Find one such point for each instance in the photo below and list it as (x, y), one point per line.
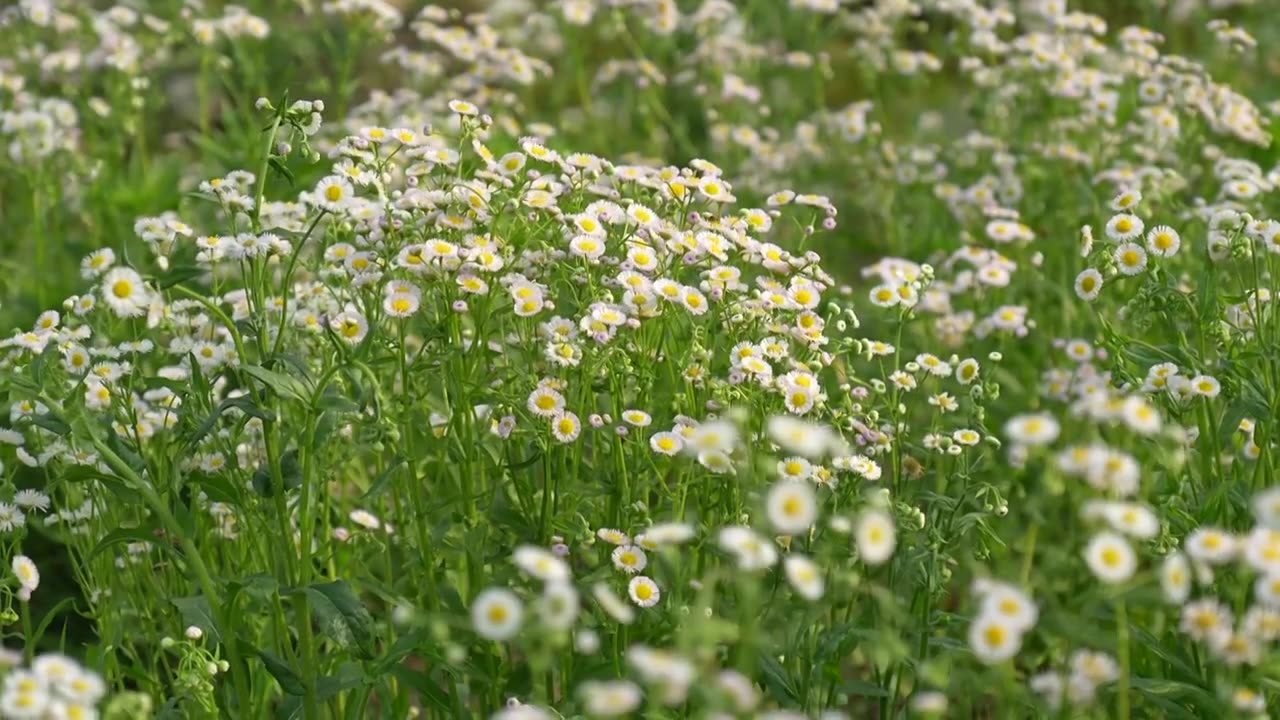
(496, 614)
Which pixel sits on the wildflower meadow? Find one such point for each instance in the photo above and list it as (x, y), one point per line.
(523, 360)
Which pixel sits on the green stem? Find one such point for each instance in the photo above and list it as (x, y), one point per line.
(28, 643)
(288, 277)
(1122, 650)
(1029, 557)
(196, 563)
(261, 188)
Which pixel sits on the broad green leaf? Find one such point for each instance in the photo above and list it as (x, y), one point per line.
(126, 453)
(21, 382)
(195, 610)
(427, 688)
(350, 675)
(283, 385)
(290, 682)
(243, 403)
(403, 645)
(124, 535)
(381, 482)
(342, 617)
(83, 473)
(41, 362)
(1171, 690)
(48, 618)
(282, 169)
(218, 488)
(778, 680)
(290, 473)
(861, 688)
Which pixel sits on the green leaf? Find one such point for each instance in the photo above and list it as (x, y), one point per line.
(862, 689)
(518, 465)
(403, 645)
(290, 473)
(1178, 664)
(131, 458)
(384, 478)
(282, 169)
(325, 425)
(1148, 355)
(1207, 313)
(218, 488)
(1255, 399)
(84, 473)
(427, 688)
(170, 711)
(1236, 412)
(258, 585)
(283, 385)
(50, 422)
(199, 386)
(349, 675)
(21, 382)
(342, 617)
(123, 535)
(334, 402)
(777, 679)
(195, 610)
(289, 680)
(48, 619)
(1183, 692)
(38, 365)
(243, 403)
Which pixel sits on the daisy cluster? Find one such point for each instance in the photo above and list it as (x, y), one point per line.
(53, 686)
(636, 357)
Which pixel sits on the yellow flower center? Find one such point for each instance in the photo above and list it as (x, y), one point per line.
(791, 506)
(994, 635)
